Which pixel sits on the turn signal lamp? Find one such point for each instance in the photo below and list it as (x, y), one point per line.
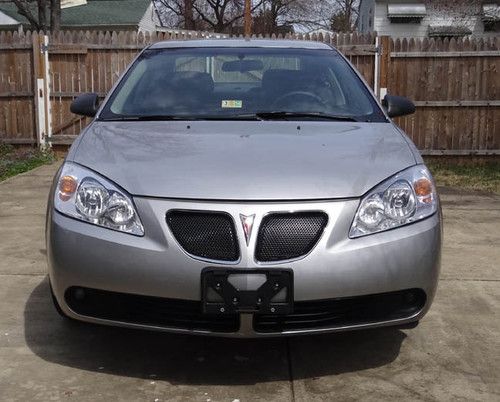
(67, 187)
(423, 189)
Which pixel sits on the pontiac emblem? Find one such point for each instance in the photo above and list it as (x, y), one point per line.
(247, 223)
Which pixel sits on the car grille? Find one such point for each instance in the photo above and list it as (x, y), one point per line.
(209, 235)
(147, 310)
(285, 236)
(335, 313)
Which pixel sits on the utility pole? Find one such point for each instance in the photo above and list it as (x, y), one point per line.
(248, 18)
(188, 15)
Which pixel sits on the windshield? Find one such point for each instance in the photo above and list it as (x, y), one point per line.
(241, 83)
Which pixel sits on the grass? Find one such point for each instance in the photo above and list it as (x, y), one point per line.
(483, 176)
(18, 160)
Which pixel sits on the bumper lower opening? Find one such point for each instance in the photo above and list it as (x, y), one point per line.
(188, 315)
(332, 313)
(147, 310)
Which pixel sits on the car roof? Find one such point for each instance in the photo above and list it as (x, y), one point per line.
(271, 43)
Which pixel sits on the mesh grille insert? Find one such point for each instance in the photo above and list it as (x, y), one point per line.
(204, 234)
(284, 236)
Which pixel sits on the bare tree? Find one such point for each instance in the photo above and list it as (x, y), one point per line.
(24, 9)
(344, 16)
(456, 13)
(270, 16)
(309, 15)
(214, 15)
(221, 15)
(273, 15)
(176, 13)
(189, 22)
(55, 15)
(39, 20)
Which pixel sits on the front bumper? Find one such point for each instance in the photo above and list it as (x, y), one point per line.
(87, 256)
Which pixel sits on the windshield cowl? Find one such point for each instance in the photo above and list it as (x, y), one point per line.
(259, 116)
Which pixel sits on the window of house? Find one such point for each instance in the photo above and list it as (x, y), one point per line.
(491, 17)
(491, 26)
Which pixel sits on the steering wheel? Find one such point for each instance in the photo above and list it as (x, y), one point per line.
(299, 97)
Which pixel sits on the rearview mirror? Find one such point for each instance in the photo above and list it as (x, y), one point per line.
(85, 105)
(243, 66)
(398, 105)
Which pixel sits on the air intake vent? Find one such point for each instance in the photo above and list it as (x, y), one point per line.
(285, 236)
(147, 310)
(209, 235)
(336, 313)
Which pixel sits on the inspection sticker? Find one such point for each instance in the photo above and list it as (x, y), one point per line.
(237, 104)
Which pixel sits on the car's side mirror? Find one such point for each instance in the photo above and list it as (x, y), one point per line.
(398, 105)
(85, 105)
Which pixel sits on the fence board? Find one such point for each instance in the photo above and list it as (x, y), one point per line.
(484, 53)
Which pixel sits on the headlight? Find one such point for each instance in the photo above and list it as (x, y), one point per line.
(407, 197)
(84, 195)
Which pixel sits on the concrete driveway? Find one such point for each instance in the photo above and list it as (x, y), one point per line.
(453, 354)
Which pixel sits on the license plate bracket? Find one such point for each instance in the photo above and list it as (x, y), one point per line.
(221, 296)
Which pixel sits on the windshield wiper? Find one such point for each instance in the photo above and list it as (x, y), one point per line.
(273, 115)
(249, 116)
(182, 117)
(145, 117)
(283, 115)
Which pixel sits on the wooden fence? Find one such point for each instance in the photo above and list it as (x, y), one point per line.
(455, 83)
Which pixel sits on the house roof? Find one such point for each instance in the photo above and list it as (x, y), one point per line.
(94, 13)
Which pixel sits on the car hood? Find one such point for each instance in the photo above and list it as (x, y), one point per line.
(244, 160)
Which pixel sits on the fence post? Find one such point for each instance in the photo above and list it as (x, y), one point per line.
(376, 68)
(42, 89)
(385, 60)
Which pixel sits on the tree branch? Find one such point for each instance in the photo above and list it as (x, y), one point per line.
(23, 9)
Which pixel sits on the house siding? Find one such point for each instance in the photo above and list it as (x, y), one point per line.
(6, 20)
(149, 21)
(366, 12)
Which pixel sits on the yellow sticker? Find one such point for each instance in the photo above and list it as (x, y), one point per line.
(232, 103)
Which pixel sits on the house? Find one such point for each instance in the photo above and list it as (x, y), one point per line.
(430, 18)
(137, 15)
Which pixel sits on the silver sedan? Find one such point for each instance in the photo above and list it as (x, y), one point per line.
(243, 188)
